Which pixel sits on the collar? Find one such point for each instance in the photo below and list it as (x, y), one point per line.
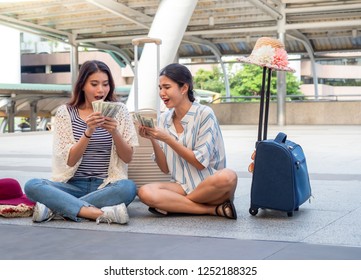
(188, 117)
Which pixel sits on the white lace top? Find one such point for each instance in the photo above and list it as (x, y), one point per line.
(63, 140)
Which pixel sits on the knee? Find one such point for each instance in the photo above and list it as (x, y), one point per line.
(146, 195)
(129, 189)
(31, 186)
(229, 177)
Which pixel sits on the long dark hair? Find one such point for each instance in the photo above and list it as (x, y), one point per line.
(88, 68)
(181, 75)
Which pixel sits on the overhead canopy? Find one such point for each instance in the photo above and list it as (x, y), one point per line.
(231, 26)
(217, 28)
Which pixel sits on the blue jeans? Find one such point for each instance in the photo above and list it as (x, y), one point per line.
(66, 199)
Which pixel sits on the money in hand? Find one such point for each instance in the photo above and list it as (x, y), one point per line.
(142, 120)
(108, 109)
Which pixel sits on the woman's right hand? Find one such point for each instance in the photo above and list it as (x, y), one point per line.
(94, 120)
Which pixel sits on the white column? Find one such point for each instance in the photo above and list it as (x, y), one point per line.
(169, 25)
(10, 72)
(281, 76)
(74, 62)
(10, 56)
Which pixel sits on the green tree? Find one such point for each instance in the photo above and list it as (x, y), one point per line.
(248, 82)
(245, 82)
(209, 80)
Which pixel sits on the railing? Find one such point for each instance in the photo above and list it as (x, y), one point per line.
(288, 98)
(122, 96)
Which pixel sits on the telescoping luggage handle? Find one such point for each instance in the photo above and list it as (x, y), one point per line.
(264, 104)
(263, 112)
(136, 42)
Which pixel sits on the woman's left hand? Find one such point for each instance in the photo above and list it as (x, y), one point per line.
(110, 124)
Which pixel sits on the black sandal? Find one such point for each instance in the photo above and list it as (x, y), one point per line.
(224, 206)
(157, 211)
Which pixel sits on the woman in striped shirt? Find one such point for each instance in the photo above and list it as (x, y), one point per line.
(90, 153)
(188, 144)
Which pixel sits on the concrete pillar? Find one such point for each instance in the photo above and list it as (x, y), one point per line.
(33, 115)
(48, 69)
(10, 72)
(74, 63)
(281, 98)
(281, 76)
(10, 55)
(10, 110)
(169, 25)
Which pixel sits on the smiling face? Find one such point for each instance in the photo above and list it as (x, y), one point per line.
(171, 93)
(96, 87)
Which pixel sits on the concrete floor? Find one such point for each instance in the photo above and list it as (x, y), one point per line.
(327, 228)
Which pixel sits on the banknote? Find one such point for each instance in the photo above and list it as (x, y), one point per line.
(143, 120)
(108, 109)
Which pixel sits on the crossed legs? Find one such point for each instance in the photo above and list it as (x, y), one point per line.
(213, 191)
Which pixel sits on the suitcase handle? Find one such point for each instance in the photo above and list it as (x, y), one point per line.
(264, 104)
(145, 40)
(281, 137)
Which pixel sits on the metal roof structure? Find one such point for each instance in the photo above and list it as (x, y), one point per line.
(216, 28)
(230, 26)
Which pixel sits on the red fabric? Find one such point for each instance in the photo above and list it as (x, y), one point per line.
(12, 194)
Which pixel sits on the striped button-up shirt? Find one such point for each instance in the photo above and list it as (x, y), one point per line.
(203, 136)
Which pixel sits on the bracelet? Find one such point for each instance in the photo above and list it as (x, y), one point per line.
(87, 135)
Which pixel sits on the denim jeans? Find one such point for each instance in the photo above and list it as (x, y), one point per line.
(66, 199)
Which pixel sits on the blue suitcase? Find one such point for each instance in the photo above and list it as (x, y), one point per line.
(280, 178)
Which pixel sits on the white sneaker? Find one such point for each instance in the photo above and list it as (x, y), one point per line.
(42, 213)
(114, 214)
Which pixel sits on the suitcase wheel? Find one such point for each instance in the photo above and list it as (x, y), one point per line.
(297, 209)
(290, 214)
(253, 211)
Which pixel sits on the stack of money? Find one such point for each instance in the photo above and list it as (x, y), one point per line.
(142, 120)
(108, 109)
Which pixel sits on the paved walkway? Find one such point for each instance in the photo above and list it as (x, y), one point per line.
(327, 228)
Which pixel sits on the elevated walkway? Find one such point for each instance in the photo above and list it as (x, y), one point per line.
(328, 228)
